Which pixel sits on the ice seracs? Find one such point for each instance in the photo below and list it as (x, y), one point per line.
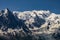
(52, 16)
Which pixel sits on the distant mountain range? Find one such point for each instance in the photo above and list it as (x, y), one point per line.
(42, 22)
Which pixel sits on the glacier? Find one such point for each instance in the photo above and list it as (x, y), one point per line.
(29, 25)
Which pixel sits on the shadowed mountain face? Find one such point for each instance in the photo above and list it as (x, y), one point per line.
(38, 21)
(8, 20)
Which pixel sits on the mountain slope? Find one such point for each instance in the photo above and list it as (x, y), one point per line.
(34, 23)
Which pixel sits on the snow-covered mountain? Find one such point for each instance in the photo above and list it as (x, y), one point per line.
(42, 22)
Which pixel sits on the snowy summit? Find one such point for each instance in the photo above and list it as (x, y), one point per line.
(33, 22)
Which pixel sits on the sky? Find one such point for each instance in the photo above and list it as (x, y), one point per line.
(28, 5)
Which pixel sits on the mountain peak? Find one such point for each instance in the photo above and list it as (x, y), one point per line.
(6, 10)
